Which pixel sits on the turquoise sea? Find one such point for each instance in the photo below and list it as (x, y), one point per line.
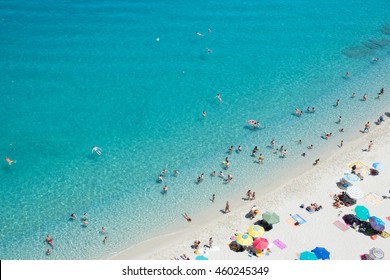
(133, 78)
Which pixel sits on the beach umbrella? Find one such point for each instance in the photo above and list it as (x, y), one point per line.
(271, 217)
(307, 256)
(260, 243)
(378, 166)
(350, 177)
(201, 258)
(362, 212)
(376, 223)
(255, 231)
(321, 253)
(355, 192)
(376, 253)
(244, 239)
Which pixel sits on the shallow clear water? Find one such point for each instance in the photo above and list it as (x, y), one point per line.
(75, 74)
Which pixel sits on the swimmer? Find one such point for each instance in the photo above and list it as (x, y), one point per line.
(209, 30)
(221, 174)
(300, 142)
(105, 240)
(160, 178)
(284, 153)
(375, 59)
(310, 147)
(97, 150)
(219, 97)
(10, 161)
(347, 74)
(239, 149)
(230, 150)
(165, 189)
(339, 121)
(254, 151)
(337, 102)
(204, 114)
(48, 251)
(365, 97)
(273, 143)
(49, 240)
(213, 174)
(313, 110)
(84, 223)
(158, 39)
(198, 34)
(341, 130)
(103, 230)
(163, 172)
(296, 111)
(209, 50)
(176, 173)
(308, 109)
(85, 217)
(353, 95)
(73, 216)
(300, 113)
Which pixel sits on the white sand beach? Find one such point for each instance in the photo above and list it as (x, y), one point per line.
(316, 185)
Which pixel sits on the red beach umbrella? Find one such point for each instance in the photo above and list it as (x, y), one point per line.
(260, 243)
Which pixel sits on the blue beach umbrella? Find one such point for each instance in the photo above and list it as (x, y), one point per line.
(362, 212)
(307, 256)
(378, 166)
(350, 177)
(377, 223)
(321, 253)
(201, 258)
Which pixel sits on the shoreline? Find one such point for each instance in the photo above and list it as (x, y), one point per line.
(284, 195)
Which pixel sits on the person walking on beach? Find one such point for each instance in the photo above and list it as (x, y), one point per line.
(253, 197)
(248, 194)
(211, 242)
(366, 127)
(341, 143)
(370, 146)
(316, 161)
(227, 207)
(187, 217)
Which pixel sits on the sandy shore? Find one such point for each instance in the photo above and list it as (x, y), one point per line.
(314, 185)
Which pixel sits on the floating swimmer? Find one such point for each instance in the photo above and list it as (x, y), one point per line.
(209, 50)
(199, 34)
(10, 161)
(219, 97)
(97, 150)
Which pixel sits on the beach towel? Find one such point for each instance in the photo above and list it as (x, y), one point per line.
(279, 244)
(373, 198)
(384, 234)
(298, 219)
(341, 225)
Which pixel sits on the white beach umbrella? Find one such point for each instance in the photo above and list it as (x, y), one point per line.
(355, 192)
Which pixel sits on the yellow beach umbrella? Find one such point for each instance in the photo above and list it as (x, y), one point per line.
(255, 231)
(244, 239)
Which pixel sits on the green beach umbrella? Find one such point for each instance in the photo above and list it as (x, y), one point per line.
(362, 212)
(271, 217)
